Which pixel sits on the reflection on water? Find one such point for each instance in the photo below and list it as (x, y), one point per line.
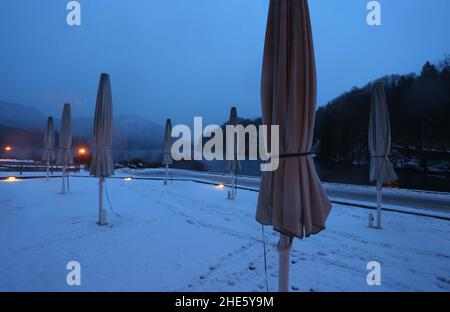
(347, 174)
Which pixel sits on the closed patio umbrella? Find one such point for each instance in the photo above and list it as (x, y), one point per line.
(381, 169)
(291, 198)
(49, 145)
(65, 144)
(167, 155)
(102, 164)
(234, 165)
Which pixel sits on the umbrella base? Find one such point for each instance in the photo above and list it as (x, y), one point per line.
(102, 224)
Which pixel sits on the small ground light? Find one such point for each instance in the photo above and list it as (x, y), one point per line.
(220, 186)
(11, 179)
(128, 179)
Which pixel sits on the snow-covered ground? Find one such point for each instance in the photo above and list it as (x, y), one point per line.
(188, 237)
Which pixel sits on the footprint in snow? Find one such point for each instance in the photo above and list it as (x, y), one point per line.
(443, 280)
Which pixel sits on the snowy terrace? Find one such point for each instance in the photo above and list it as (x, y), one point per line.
(188, 237)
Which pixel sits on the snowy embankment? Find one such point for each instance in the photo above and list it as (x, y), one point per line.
(188, 237)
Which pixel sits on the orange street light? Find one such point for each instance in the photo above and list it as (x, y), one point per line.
(8, 148)
(82, 151)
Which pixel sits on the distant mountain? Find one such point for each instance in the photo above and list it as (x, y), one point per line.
(81, 127)
(129, 132)
(132, 132)
(20, 116)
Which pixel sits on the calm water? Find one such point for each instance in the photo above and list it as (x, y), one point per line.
(342, 173)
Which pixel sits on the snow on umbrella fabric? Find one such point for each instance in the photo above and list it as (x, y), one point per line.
(65, 144)
(291, 198)
(233, 165)
(49, 144)
(381, 169)
(102, 164)
(167, 155)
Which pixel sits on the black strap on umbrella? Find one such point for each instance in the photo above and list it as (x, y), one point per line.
(379, 156)
(296, 155)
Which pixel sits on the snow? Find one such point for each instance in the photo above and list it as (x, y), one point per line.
(4, 160)
(188, 237)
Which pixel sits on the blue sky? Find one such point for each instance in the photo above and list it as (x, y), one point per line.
(183, 58)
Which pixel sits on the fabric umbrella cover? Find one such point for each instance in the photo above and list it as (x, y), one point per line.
(102, 165)
(65, 137)
(49, 141)
(291, 199)
(381, 169)
(49, 144)
(234, 165)
(65, 143)
(167, 154)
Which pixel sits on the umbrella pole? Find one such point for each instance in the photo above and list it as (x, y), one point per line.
(101, 213)
(63, 188)
(167, 174)
(284, 249)
(235, 180)
(235, 185)
(379, 189)
(231, 184)
(48, 168)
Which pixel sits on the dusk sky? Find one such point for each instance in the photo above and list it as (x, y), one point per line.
(182, 58)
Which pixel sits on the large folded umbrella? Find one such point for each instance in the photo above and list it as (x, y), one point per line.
(167, 154)
(291, 198)
(102, 164)
(65, 144)
(49, 144)
(381, 169)
(234, 165)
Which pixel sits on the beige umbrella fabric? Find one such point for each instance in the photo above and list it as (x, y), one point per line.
(291, 198)
(49, 145)
(167, 154)
(102, 165)
(65, 144)
(234, 166)
(381, 169)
